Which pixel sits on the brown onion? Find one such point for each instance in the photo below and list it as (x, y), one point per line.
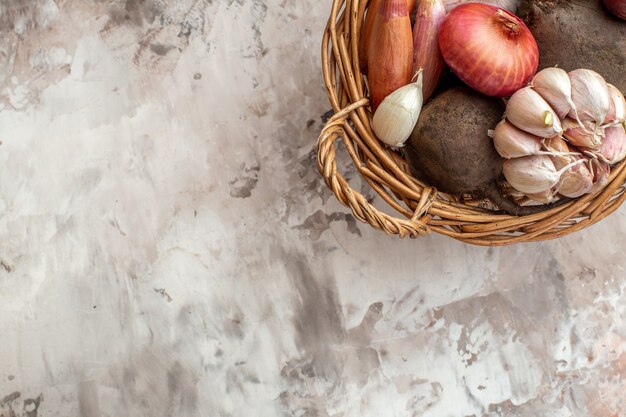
(489, 48)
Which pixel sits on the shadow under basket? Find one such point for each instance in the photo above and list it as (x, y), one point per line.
(421, 209)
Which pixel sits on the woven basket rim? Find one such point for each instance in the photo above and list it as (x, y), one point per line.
(420, 208)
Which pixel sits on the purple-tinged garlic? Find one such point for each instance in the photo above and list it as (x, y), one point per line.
(587, 136)
(590, 94)
(613, 148)
(601, 172)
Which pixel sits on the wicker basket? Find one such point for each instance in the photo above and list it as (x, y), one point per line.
(422, 208)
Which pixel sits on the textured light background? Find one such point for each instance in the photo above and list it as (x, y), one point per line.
(167, 247)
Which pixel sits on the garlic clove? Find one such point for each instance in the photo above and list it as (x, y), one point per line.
(545, 197)
(562, 154)
(587, 136)
(554, 86)
(511, 142)
(528, 111)
(617, 110)
(389, 51)
(601, 172)
(426, 53)
(396, 117)
(613, 148)
(575, 181)
(534, 174)
(531, 174)
(590, 94)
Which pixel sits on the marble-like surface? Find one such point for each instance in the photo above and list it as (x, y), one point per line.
(167, 247)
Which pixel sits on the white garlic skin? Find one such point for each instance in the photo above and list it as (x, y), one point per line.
(396, 117)
(554, 86)
(528, 111)
(601, 172)
(545, 197)
(617, 110)
(558, 145)
(531, 174)
(509, 5)
(577, 136)
(590, 94)
(577, 180)
(511, 142)
(613, 148)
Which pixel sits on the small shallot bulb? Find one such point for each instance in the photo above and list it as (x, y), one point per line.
(590, 95)
(553, 84)
(584, 136)
(617, 111)
(613, 148)
(533, 174)
(511, 142)
(576, 181)
(397, 115)
(528, 111)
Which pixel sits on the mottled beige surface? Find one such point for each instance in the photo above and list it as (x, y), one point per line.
(167, 247)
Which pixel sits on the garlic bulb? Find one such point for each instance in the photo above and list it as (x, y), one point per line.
(613, 148)
(575, 181)
(590, 95)
(617, 110)
(528, 111)
(554, 86)
(533, 174)
(586, 136)
(397, 115)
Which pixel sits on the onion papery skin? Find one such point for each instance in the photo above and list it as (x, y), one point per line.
(488, 48)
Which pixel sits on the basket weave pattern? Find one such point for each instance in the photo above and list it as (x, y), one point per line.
(421, 207)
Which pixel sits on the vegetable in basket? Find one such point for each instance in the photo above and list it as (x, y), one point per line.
(397, 115)
(543, 162)
(426, 54)
(390, 52)
(449, 148)
(490, 49)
